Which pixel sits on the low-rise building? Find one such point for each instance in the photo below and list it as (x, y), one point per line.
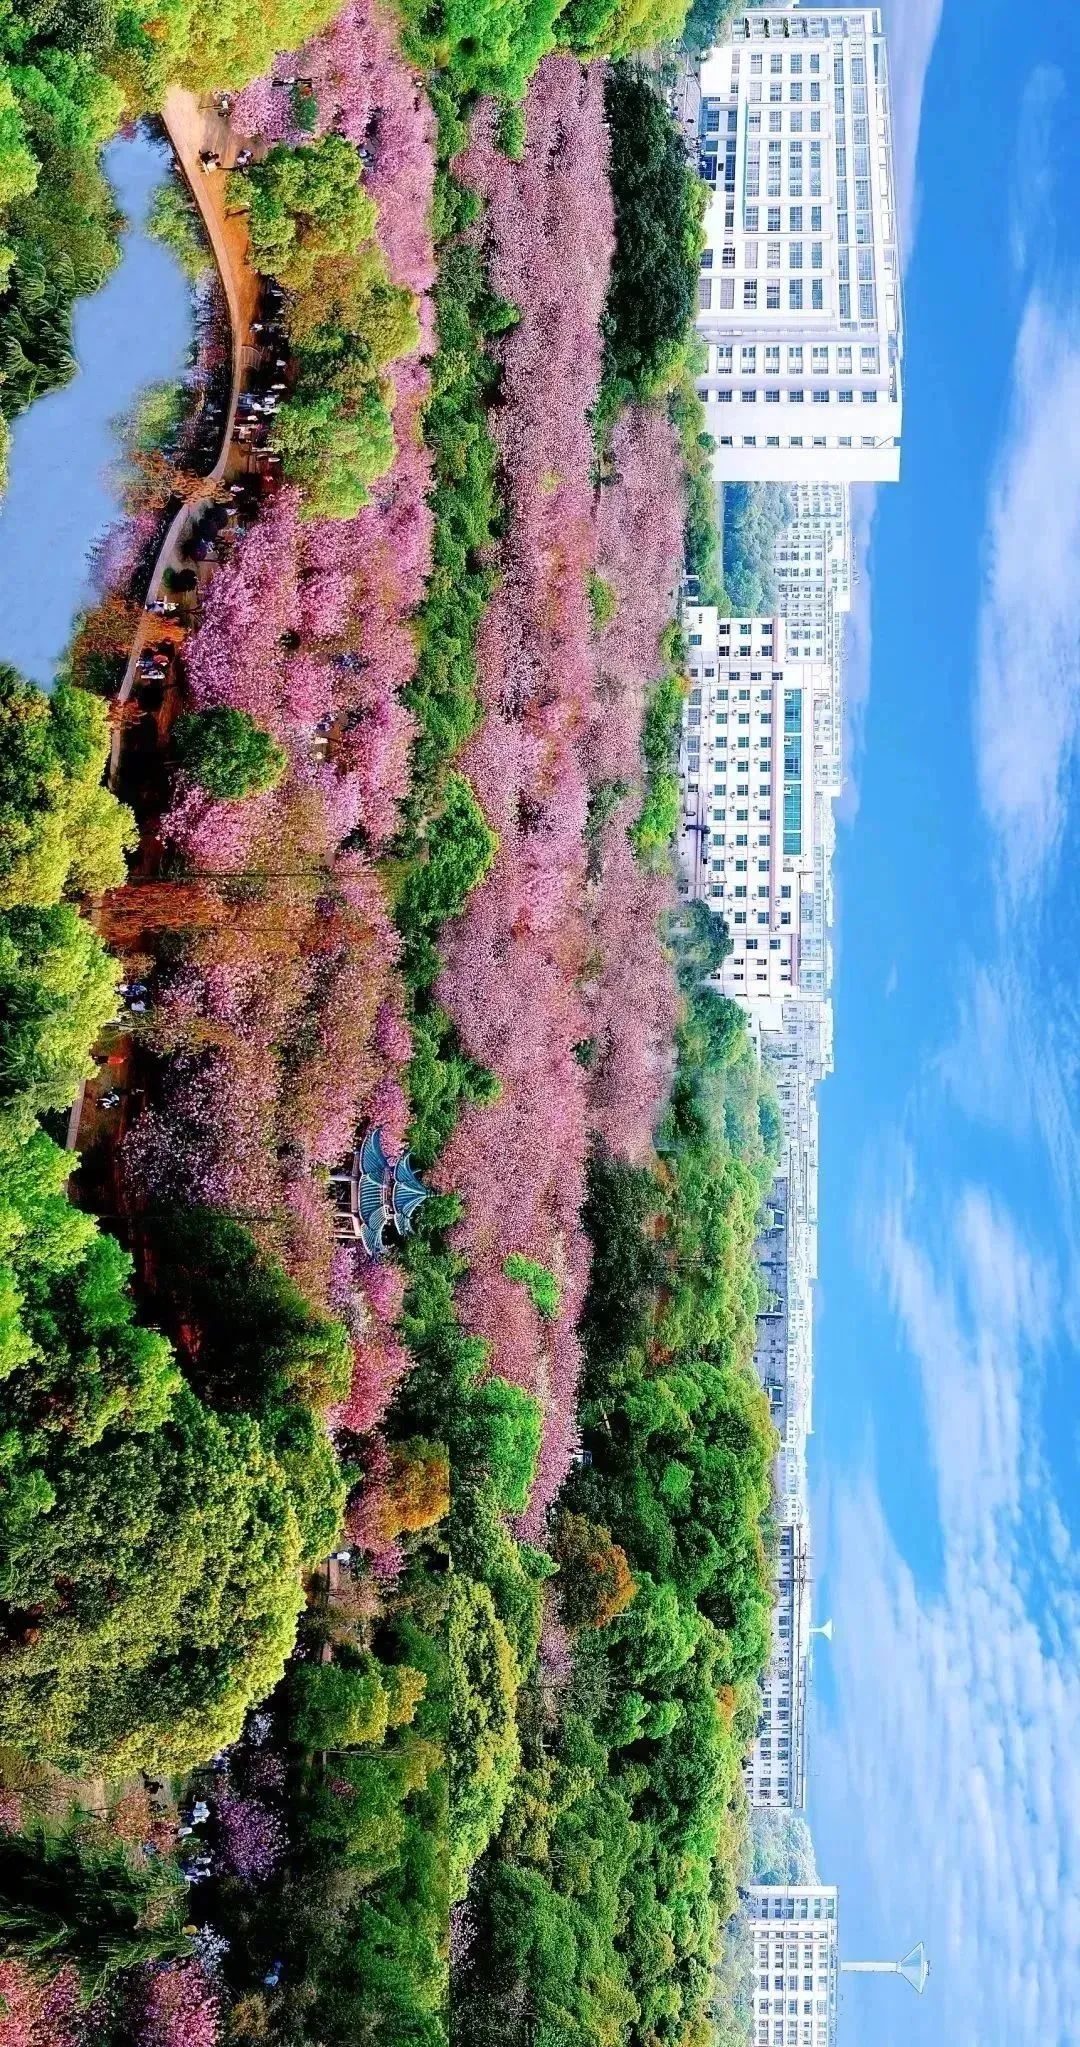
(776, 1767)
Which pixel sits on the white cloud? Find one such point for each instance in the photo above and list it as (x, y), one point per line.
(911, 28)
(1032, 200)
(911, 31)
(1014, 1065)
(955, 1734)
(1027, 715)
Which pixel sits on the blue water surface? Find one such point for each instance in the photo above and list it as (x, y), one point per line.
(60, 501)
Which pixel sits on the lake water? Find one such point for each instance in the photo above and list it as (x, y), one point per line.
(60, 501)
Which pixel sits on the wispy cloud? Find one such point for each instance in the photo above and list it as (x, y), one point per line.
(959, 1709)
(1027, 712)
(911, 28)
(1014, 1064)
(1031, 206)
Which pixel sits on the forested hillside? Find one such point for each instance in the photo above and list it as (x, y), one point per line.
(381, 1614)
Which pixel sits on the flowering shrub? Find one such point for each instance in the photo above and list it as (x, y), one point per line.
(554, 974)
(177, 2007)
(252, 1838)
(42, 2014)
(282, 1032)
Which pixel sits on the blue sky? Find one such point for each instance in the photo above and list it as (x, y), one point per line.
(945, 1745)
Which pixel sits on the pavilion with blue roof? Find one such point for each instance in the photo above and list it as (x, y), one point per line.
(374, 1200)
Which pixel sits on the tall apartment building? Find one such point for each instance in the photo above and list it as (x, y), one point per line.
(776, 1767)
(755, 804)
(796, 1964)
(799, 298)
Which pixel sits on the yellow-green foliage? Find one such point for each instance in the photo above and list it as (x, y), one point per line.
(351, 1705)
(61, 833)
(484, 1747)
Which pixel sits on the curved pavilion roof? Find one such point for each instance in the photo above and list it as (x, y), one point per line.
(379, 1198)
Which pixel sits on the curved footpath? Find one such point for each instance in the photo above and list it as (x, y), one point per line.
(193, 125)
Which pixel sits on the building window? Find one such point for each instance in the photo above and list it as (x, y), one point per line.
(749, 294)
(727, 293)
(795, 256)
(795, 294)
(772, 298)
(817, 295)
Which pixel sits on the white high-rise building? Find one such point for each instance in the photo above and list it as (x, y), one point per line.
(799, 300)
(796, 1964)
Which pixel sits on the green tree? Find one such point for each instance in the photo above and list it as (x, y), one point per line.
(60, 831)
(352, 1705)
(652, 296)
(65, 1902)
(57, 989)
(306, 204)
(228, 753)
(484, 1748)
(540, 1283)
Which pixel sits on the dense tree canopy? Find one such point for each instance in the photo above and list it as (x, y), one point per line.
(312, 225)
(658, 215)
(755, 514)
(227, 753)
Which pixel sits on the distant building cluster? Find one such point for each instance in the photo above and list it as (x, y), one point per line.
(801, 320)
